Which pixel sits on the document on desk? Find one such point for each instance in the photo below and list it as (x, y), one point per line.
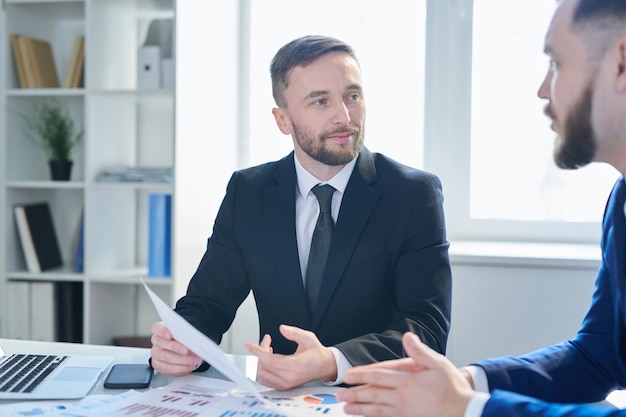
(201, 345)
(200, 396)
(213, 397)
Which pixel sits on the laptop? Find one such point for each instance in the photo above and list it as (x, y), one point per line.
(25, 376)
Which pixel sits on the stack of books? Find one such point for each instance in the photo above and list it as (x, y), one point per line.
(35, 64)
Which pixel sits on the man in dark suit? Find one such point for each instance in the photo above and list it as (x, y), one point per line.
(586, 92)
(387, 269)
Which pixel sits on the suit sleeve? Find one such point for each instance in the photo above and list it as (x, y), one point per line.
(586, 368)
(503, 403)
(422, 283)
(220, 284)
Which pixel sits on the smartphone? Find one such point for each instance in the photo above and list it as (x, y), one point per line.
(128, 376)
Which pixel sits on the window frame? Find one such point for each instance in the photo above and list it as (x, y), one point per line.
(447, 146)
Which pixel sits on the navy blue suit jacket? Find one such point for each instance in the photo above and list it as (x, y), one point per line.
(387, 271)
(581, 370)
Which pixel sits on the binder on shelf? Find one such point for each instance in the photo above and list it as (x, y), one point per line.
(28, 61)
(18, 310)
(38, 236)
(44, 63)
(168, 78)
(148, 68)
(68, 297)
(155, 65)
(159, 235)
(32, 310)
(74, 74)
(42, 317)
(38, 62)
(79, 250)
(20, 65)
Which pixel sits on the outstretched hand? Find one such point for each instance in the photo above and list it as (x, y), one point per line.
(424, 384)
(311, 361)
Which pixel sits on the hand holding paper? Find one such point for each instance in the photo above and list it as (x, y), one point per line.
(201, 345)
(302, 402)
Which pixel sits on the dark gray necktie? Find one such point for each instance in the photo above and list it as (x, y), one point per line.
(320, 243)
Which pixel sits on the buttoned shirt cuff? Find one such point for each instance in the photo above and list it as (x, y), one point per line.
(479, 377)
(342, 366)
(476, 405)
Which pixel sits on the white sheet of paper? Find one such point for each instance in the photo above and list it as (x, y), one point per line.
(189, 395)
(618, 399)
(193, 395)
(201, 345)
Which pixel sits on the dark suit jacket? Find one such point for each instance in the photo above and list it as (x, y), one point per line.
(387, 271)
(586, 368)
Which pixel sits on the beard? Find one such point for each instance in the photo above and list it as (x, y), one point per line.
(316, 147)
(578, 145)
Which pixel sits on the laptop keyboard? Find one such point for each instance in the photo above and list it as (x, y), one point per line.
(23, 373)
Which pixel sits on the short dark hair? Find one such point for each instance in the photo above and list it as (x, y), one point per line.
(599, 23)
(301, 52)
(593, 9)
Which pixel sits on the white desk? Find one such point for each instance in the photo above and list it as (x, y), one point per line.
(245, 363)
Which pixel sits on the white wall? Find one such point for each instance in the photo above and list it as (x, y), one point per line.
(206, 125)
(510, 304)
(207, 130)
(500, 310)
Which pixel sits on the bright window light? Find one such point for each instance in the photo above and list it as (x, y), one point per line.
(390, 44)
(513, 176)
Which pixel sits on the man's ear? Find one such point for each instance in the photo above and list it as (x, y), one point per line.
(620, 78)
(282, 120)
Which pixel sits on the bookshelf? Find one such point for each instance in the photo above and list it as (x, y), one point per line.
(123, 126)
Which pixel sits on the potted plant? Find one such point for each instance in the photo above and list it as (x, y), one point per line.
(50, 126)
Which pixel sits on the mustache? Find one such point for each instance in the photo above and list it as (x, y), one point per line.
(344, 130)
(547, 110)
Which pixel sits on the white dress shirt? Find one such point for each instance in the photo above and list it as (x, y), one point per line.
(481, 386)
(307, 210)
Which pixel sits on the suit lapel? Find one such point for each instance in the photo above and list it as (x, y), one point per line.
(619, 240)
(281, 219)
(620, 234)
(357, 205)
(618, 237)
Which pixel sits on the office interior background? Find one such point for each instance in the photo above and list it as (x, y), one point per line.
(450, 87)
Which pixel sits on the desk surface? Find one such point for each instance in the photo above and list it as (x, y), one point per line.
(247, 364)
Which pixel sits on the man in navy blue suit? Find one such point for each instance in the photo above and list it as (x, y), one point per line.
(586, 92)
(387, 270)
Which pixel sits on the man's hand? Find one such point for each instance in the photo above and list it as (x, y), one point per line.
(311, 362)
(169, 356)
(425, 384)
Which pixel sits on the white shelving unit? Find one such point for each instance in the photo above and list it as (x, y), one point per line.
(123, 127)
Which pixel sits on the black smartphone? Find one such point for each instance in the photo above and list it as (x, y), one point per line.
(129, 375)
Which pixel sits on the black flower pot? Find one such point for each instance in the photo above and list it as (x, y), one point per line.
(60, 169)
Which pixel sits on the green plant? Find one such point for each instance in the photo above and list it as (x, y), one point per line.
(50, 126)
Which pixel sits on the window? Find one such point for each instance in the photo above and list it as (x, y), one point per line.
(389, 42)
(450, 86)
(485, 132)
(513, 175)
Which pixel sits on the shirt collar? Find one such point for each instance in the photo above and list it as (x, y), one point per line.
(306, 180)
